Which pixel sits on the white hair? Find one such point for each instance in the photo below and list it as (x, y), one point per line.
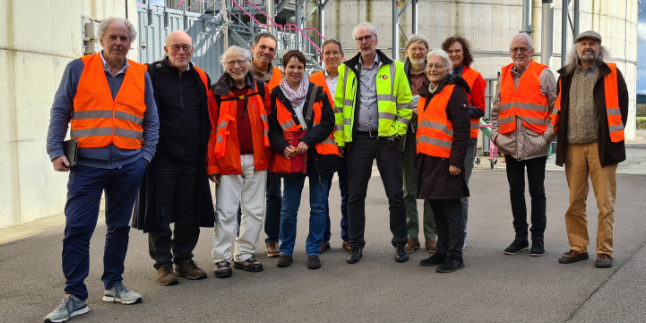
(526, 37)
(372, 27)
(574, 60)
(232, 49)
(417, 39)
(445, 58)
(119, 21)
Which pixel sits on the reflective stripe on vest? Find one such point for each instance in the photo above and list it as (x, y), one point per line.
(435, 131)
(99, 120)
(527, 102)
(471, 76)
(287, 123)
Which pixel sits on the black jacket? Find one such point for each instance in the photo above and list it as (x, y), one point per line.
(148, 207)
(434, 181)
(610, 153)
(317, 165)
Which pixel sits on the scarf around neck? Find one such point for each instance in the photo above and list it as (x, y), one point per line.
(295, 97)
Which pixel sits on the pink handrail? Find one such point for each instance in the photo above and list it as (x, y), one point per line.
(302, 33)
(264, 14)
(316, 31)
(254, 19)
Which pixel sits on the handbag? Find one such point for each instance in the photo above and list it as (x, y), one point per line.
(297, 165)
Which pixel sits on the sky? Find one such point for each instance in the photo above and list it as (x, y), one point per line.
(641, 52)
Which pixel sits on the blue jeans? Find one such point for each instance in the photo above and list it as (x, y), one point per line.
(289, 213)
(343, 187)
(469, 160)
(272, 215)
(84, 189)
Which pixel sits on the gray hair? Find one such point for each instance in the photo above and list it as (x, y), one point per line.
(264, 35)
(525, 36)
(225, 56)
(416, 39)
(372, 27)
(573, 60)
(332, 41)
(445, 58)
(120, 21)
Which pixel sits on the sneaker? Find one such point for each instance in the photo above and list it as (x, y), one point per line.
(573, 256)
(223, 269)
(70, 306)
(603, 261)
(272, 249)
(313, 262)
(538, 248)
(250, 264)
(284, 261)
(190, 270)
(412, 245)
(517, 246)
(450, 265)
(434, 259)
(166, 276)
(120, 294)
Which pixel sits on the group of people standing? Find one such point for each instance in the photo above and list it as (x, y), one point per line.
(419, 120)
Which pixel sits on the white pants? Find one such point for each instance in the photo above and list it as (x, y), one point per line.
(248, 192)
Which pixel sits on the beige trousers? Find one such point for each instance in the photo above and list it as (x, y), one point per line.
(583, 160)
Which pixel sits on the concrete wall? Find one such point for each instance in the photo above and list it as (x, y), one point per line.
(37, 39)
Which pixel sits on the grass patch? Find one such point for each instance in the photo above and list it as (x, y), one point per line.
(641, 110)
(641, 122)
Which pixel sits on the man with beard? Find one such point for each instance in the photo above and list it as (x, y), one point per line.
(590, 113)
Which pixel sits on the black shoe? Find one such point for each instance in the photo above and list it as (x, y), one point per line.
(538, 248)
(251, 265)
(313, 262)
(450, 265)
(223, 269)
(355, 255)
(284, 261)
(400, 254)
(433, 260)
(517, 246)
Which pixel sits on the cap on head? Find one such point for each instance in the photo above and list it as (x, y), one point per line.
(589, 34)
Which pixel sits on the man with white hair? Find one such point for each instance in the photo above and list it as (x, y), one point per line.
(109, 101)
(525, 95)
(590, 113)
(176, 187)
(372, 104)
(241, 162)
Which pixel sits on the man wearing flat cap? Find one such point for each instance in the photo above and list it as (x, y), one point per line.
(589, 116)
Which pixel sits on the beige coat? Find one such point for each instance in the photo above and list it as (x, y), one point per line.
(524, 143)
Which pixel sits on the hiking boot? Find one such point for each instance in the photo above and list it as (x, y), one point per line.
(190, 270)
(431, 245)
(325, 246)
(284, 261)
(346, 246)
(412, 245)
(250, 264)
(68, 308)
(223, 269)
(120, 294)
(313, 262)
(450, 265)
(573, 256)
(517, 246)
(272, 249)
(400, 253)
(538, 248)
(166, 276)
(603, 261)
(433, 260)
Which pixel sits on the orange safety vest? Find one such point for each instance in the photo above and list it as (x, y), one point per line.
(276, 77)
(471, 76)
(527, 102)
(287, 123)
(319, 79)
(434, 130)
(97, 119)
(613, 113)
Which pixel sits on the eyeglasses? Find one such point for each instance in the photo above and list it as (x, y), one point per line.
(361, 39)
(519, 49)
(334, 53)
(437, 67)
(233, 63)
(176, 48)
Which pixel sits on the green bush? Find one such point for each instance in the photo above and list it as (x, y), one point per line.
(641, 110)
(641, 123)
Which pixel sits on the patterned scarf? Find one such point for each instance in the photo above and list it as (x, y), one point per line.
(295, 97)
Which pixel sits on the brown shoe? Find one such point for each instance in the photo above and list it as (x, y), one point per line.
(573, 256)
(166, 276)
(412, 245)
(190, 270)
(272, 249)
(604, 261)
(346, 246)
(325, 246)
(313, 262)
(431, 245)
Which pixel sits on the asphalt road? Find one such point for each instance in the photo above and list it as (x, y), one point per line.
(492, 288)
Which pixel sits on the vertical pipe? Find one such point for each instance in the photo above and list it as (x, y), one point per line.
(577, 10)
(395, 31)
(527, 17)
(414, 22)
(564, 27)
(225, 18)
(298, 23)
(270, 13)
(321, 26)
(547, 33)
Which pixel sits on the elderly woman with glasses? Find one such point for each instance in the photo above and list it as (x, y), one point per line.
(442, 142)
(291, 102)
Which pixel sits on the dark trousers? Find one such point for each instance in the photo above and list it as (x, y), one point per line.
(450, 226)
(84, 189)
(536, 178)
(360, 158)
(343, 187)
(272, 215)
(177, 196)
